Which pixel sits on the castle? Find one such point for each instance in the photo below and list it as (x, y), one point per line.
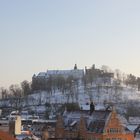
(99, 77)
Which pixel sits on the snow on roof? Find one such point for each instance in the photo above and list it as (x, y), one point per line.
(73, 123)
(134, 120)
(99, 107)
(132, 127)
(85, 107)
(64, 71)
(122, 119)
(76, 73)
(42, 74)
(98, 118)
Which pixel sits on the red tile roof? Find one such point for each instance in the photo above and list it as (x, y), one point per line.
(5, 136)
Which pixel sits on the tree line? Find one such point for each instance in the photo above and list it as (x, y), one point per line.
(16, 90)
(54, 83)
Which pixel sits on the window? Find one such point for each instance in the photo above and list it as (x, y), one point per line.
(113, 130)
(116, 139)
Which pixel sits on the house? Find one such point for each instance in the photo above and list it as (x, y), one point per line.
(95, 125)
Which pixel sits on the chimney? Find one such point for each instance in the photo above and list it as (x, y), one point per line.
(18, 125)
(92, 107)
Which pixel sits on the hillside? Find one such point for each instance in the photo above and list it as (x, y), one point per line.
(102, 86)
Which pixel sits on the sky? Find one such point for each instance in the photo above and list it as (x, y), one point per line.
(36, 35)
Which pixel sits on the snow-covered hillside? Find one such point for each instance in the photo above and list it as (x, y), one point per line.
(99, 94)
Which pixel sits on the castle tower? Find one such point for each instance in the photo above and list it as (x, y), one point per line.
(75, 67)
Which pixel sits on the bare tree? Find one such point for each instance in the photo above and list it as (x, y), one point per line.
(106, 68)
(16, 99)
(118, 75)
(4, 92)
(131, 80)
(26, 88)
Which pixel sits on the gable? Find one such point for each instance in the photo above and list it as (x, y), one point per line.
(113, 124)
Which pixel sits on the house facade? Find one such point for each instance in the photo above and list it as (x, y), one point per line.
(100, 125)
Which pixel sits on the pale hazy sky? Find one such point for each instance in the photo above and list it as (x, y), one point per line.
(36, 35)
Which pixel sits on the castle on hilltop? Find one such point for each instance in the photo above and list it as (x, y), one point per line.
(41, 79)
(90, 75)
